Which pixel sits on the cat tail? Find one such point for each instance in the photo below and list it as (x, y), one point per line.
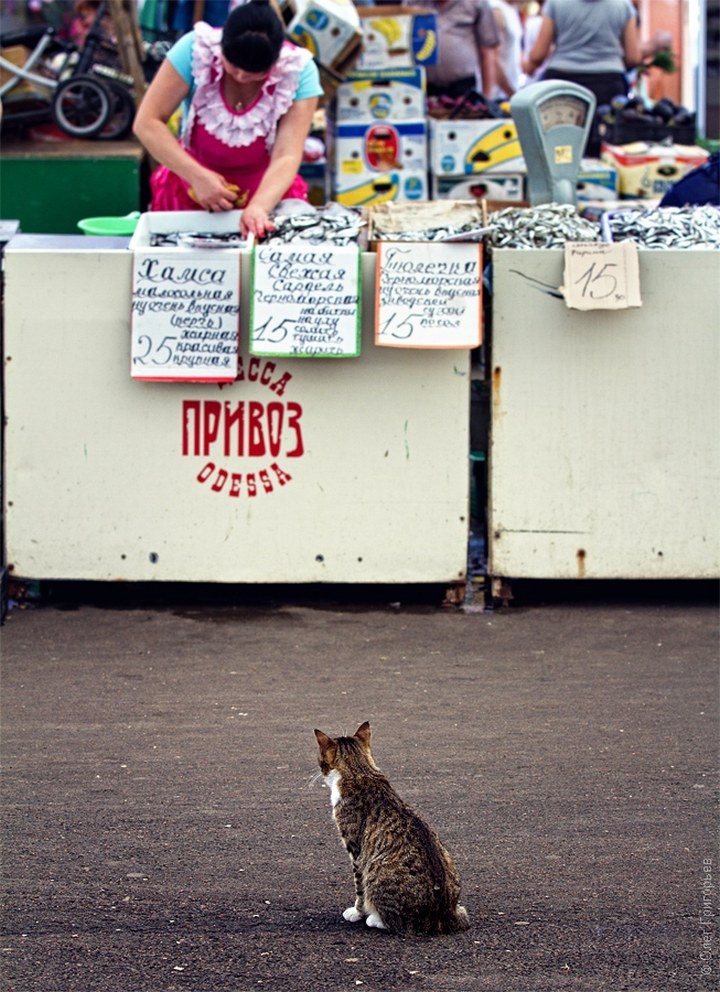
(454, 920)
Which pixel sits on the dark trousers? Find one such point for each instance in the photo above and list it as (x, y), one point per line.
(605, 86)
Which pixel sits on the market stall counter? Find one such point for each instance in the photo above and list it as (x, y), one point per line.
(300, 470)
(605, 453)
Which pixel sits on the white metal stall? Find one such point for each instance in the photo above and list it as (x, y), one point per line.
(362, 476)
(605, 446)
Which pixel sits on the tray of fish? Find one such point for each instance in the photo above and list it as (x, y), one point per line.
(549, 225)
(197, 239)
(299, 221)
(178, 230)
(434, 220)
(665, 227)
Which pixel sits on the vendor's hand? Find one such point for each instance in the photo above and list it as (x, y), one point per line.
(213, 193)
(255, 220)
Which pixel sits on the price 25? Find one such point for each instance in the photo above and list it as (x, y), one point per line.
(154, 354)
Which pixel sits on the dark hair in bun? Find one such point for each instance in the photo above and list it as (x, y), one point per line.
(253, 36)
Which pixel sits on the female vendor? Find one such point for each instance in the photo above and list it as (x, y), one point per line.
(249, 98)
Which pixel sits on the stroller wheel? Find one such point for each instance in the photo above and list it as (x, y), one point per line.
(122, 112)
(82, 106)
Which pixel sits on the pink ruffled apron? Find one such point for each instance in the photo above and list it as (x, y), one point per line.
(235, 143)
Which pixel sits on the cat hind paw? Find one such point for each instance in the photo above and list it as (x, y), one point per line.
(352, 915)
(374, 920)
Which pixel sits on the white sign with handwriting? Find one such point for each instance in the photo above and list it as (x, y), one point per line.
(601, 275)
(305, 301)
(429, 295)
(185, 308)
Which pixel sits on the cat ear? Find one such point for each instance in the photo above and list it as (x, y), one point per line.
(363, 733)
(323, 740)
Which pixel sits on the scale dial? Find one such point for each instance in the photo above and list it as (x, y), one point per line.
(557, 111)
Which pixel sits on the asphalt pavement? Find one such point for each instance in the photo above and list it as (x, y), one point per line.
(162, 833)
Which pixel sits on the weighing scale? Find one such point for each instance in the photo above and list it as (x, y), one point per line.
(553, 120)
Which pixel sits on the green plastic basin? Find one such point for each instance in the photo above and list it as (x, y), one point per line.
(117, 227)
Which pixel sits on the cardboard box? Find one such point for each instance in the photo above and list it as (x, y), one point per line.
(459, 147)
(381, 94)
(395, 37)
(597, 181)
(392, 186)
(375, 163)
(646, 170)
(505, 187)
(379, 147)
(24, 89)
(387, 220)
(392, 221)
(329, 30)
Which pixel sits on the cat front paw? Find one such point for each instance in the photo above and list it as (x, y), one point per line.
(374, 920)
(352, 915)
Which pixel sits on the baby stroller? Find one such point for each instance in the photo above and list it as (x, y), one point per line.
(81, 90)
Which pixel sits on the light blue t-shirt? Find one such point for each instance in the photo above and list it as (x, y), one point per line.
(180, 57)
(588, 34)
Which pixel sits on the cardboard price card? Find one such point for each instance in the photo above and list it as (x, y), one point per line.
(429, 295)
(305, 301)
(601, 276)
(184, 317)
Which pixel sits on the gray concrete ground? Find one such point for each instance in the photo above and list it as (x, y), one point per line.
(161, 834)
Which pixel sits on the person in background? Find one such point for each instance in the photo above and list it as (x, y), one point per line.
(467, 39)
(84, 14)
(531, 28)
(699, 187)
(250, 98)
(595, 42)
(509, 52)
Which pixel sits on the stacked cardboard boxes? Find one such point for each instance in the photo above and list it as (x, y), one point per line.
(476, 158)
(377, 127)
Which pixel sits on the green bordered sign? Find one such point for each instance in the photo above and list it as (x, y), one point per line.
(305, 301)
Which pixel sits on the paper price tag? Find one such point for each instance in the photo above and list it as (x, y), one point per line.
(184, 317)
(305, 301)
(428, 295)
(601, 275)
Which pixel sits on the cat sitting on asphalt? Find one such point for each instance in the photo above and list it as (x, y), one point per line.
(405, 880)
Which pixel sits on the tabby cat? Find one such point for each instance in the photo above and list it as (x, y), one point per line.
(405, 880)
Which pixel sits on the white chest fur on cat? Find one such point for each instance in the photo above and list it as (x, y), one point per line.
(332, 781)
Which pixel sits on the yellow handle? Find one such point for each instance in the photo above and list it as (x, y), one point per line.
(240, 201)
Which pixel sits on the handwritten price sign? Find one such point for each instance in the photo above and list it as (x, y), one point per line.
(305, 301)
(184, 320)
(429, 295)
(601, 276)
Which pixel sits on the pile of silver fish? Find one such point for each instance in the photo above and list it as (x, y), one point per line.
(294, 220)
(666, 227)
(298, 221)
(549, 225)
(462, 232)
(197, 239)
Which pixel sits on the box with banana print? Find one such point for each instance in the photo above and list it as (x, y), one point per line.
(466, 147)
(379, 162)
(327, 28)
(381, 94)
(503, 187)
(396, 37)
